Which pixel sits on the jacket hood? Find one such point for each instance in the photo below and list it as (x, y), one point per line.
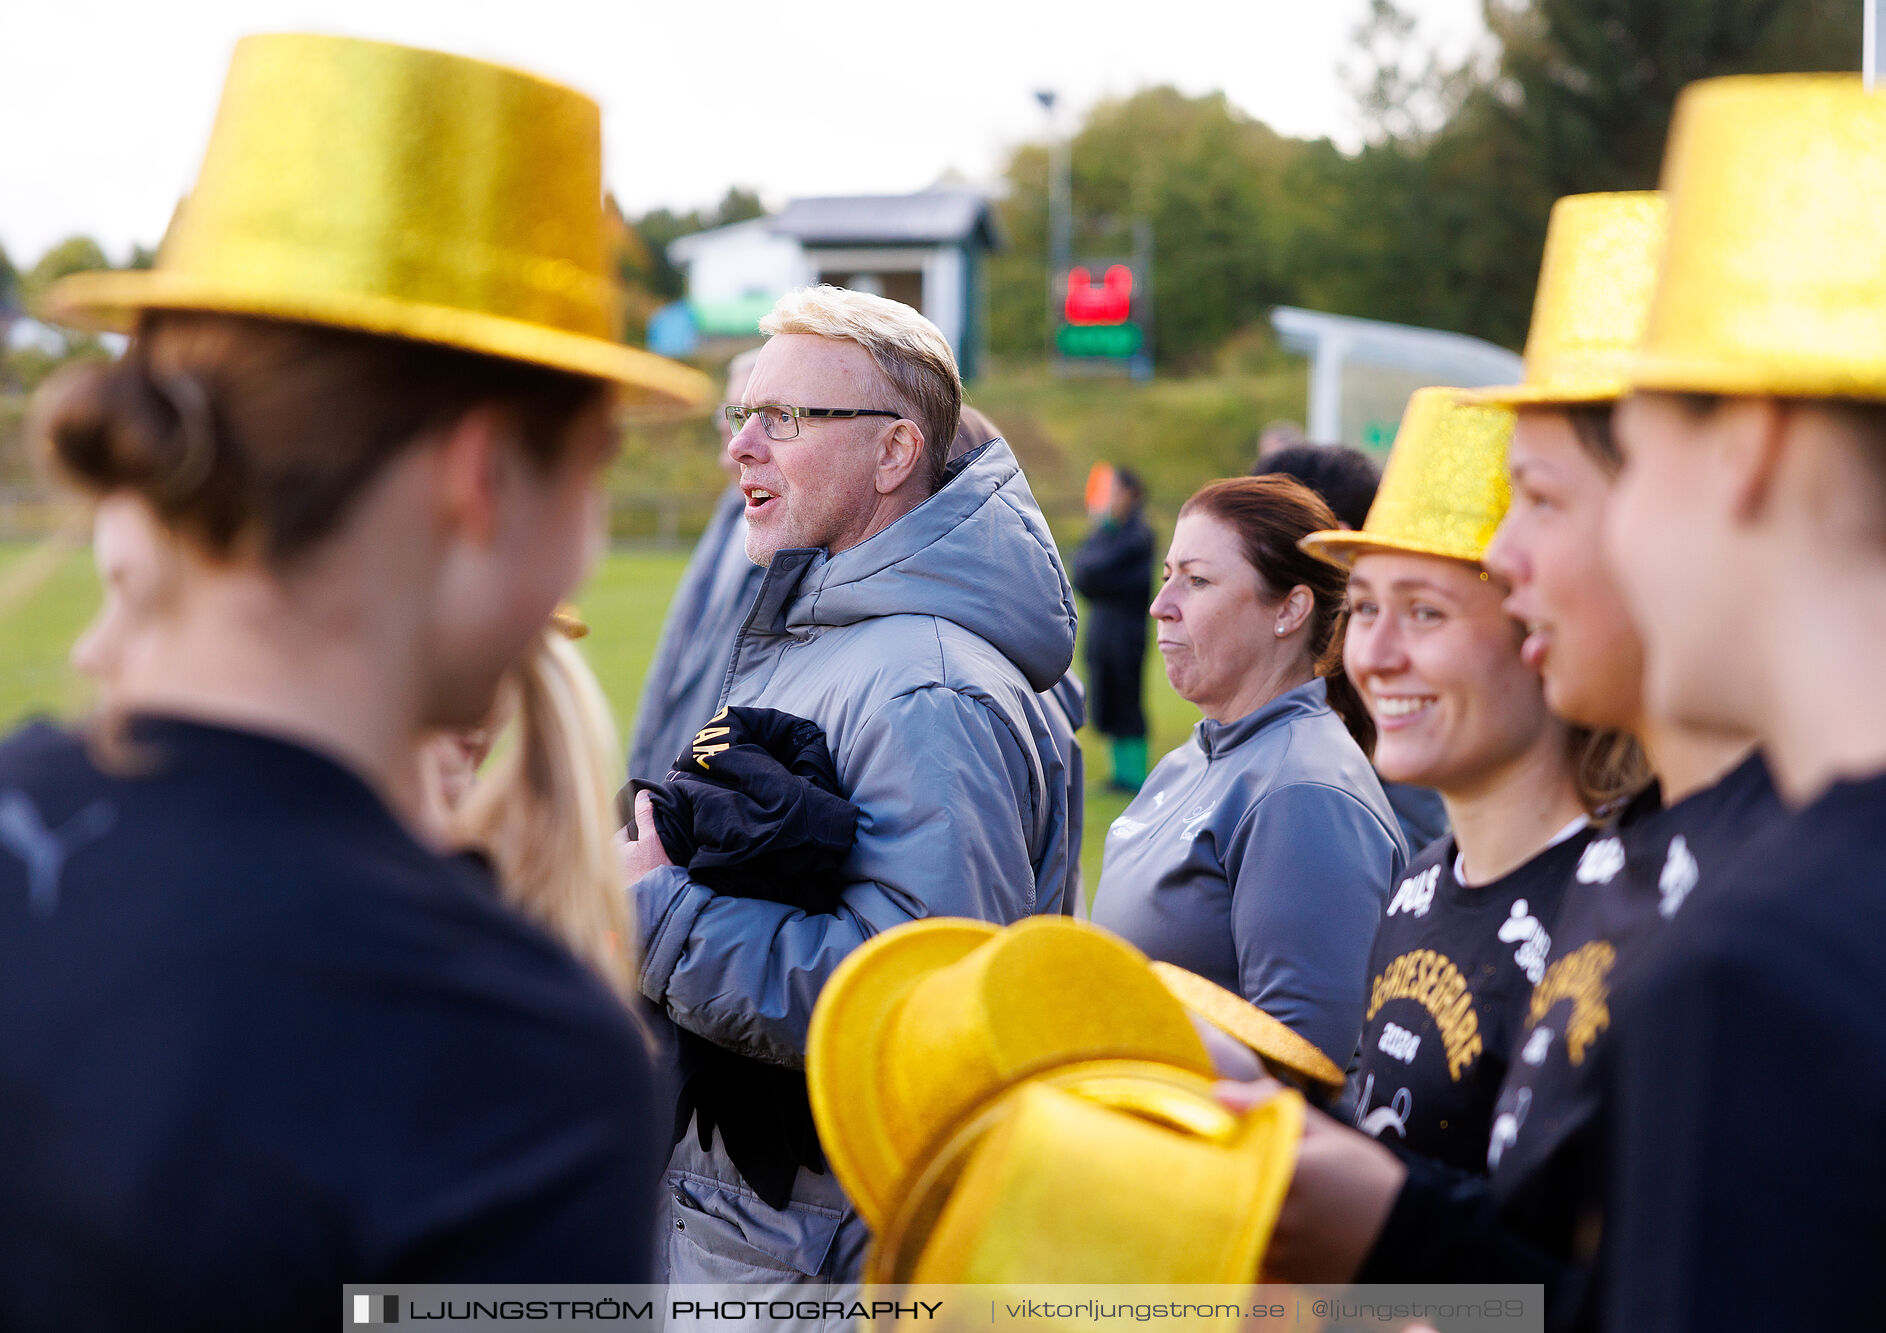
(977, 553)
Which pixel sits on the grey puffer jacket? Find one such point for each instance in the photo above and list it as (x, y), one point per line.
(921, 652)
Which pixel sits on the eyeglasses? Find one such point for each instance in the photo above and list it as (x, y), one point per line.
(781, 421)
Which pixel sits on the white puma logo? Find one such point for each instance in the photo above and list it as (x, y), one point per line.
(45, 851)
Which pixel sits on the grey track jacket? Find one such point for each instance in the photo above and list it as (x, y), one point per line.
(1260, 854)
(921, 652)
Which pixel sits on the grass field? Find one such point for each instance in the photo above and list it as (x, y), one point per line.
(48, 593)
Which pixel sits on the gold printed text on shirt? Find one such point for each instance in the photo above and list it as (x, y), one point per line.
(1432, 981)
(1583, 977)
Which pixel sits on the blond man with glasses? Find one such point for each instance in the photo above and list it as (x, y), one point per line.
(914, 614)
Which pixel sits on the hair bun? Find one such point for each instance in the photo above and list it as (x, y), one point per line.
(108, 427)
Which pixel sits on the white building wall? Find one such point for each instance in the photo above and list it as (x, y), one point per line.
(746, 259)
(943, 294)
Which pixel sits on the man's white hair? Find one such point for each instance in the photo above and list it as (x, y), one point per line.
(911, 353)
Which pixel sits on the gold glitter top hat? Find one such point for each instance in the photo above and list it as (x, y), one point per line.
(1284, 1052)
(1595, 284)
(923, 1023)
(1104, 1172)
(1775, 280)
(399, 192)
(1444, 490)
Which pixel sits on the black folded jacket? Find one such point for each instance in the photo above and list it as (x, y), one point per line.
(752, 810)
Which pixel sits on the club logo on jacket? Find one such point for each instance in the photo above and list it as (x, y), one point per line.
(44, 851)
(1195, 822)
(704, 746)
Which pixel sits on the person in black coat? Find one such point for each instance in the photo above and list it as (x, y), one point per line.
(1113, 570)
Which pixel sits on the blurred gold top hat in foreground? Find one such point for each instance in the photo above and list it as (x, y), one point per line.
(923, 1023)
(1774, 281)
(1109, 1172)
(1284, 1051)
(1444, 490)
(399, 192)
(1595, 285)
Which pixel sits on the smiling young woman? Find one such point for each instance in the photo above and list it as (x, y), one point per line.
(1358, 1212)
(1437, 660)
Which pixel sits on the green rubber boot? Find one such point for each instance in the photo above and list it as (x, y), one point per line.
(1129, 762)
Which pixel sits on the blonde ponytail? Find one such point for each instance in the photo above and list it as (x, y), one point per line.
(545, 814)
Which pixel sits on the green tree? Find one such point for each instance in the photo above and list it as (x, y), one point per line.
(9, 282)
(75, 254)
(660, 226)
(1589, 85)
(737, 205)
(27, 367)
(1444, 226)
(1202, 173)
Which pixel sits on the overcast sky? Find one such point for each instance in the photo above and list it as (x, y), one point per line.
(106, 104)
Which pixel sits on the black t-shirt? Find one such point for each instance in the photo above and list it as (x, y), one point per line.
(257, 1042)
(1539, 1217)
(1449, 977)
(1749, 1073)
(1543, 1156)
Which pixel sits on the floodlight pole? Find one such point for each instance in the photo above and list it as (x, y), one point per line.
(1060, 218)
(1870, 39)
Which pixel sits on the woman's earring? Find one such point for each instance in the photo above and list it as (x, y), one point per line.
(1280, 630)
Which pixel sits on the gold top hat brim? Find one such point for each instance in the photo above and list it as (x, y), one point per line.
(1593, 304)
(846, 1039)
(1096, 1009)
(1341, 546)
(989, 1204)
(1590, 385)
(399, 192)
(1444, 490)
(1775, 278)
(113, 300)
(1238, 1018)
